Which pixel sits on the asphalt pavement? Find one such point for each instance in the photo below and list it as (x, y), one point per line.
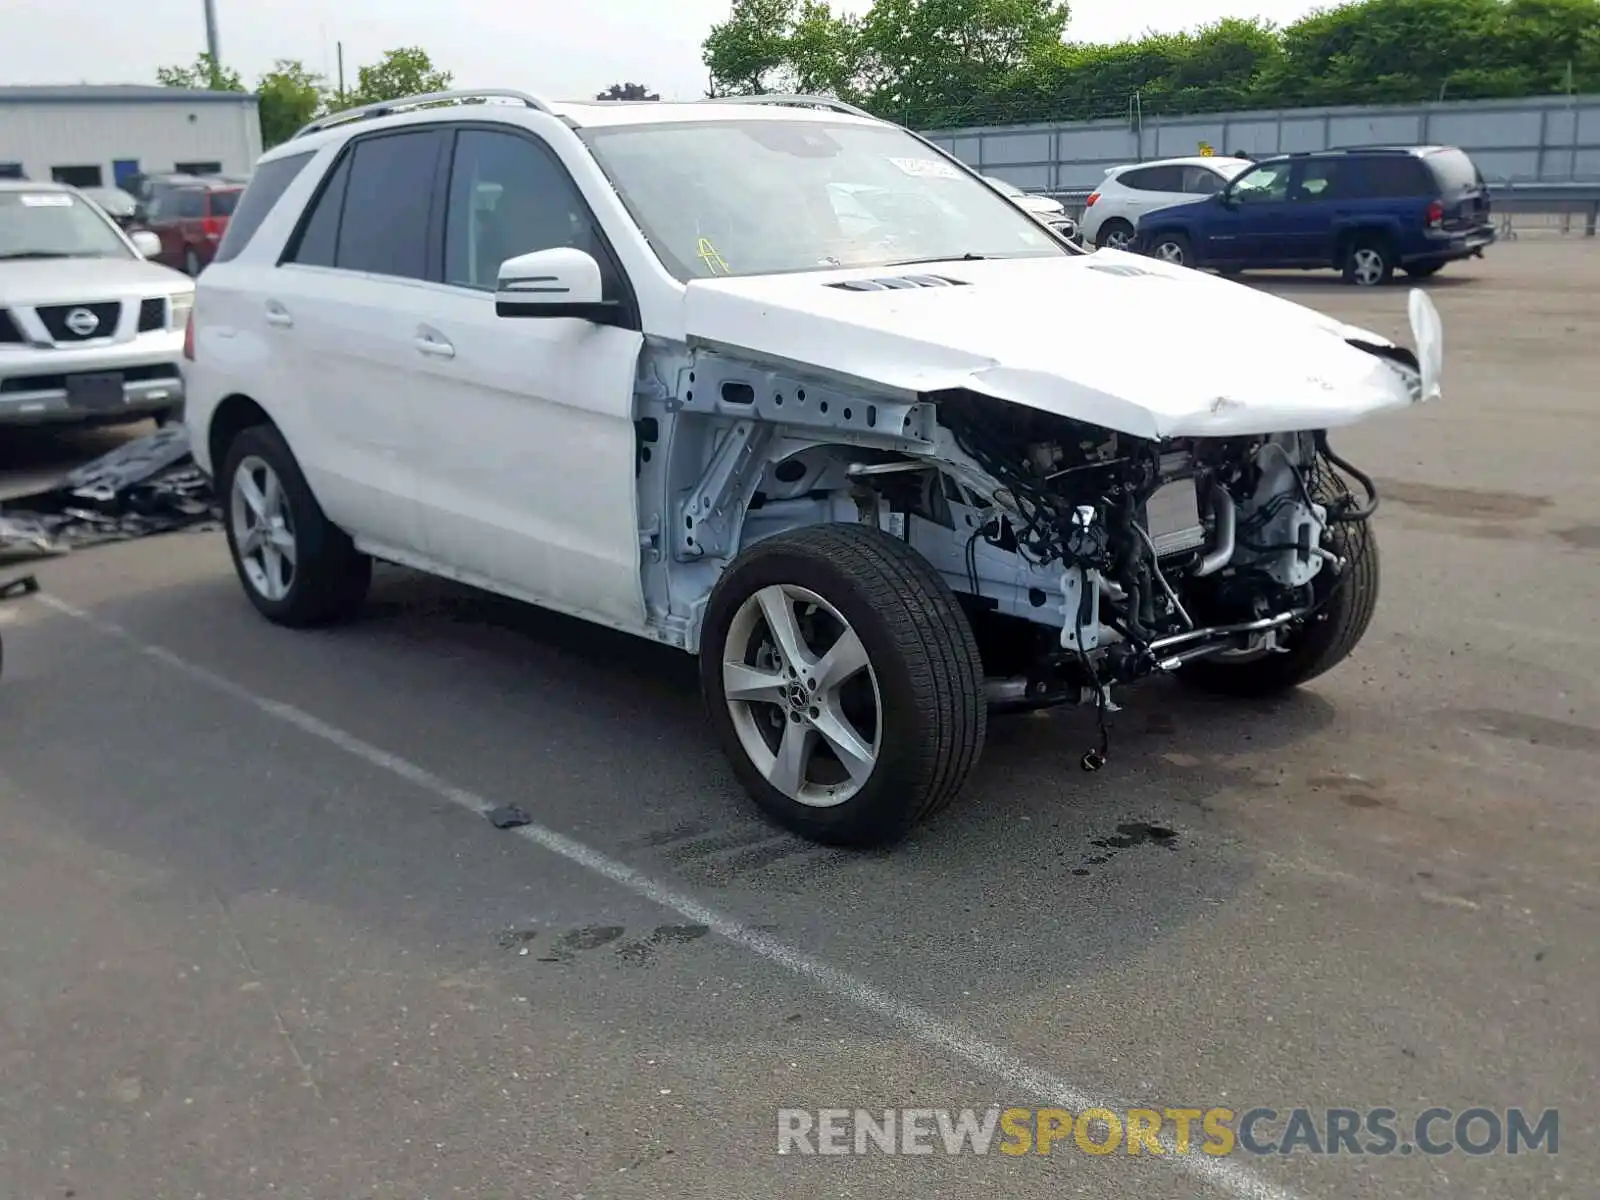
(260, 941)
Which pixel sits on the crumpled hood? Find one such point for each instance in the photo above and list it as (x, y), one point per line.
(1113, 339)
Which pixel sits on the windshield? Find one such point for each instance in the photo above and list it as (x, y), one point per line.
(55, 225)
(755, 197)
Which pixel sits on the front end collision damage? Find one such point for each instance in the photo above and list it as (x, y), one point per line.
(1086, 556)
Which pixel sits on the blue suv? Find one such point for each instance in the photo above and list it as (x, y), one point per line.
(1360, 210)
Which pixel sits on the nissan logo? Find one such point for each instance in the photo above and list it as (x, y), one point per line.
(82, 322)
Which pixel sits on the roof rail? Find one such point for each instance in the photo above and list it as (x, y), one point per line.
(384, 108)
(798, 101)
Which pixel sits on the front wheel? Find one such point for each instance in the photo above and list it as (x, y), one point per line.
(1347, 602)
(843, 682)
(1173, 248)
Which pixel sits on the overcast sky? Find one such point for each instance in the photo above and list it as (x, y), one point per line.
(566, 49)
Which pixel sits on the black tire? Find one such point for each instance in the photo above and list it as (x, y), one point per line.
(1180, 245)
(1114, 226)
(1323, 643)
(1424, 270)
(331, 576)
(1355, 265)
(933, 713)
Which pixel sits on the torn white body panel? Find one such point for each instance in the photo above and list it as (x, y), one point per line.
(1111, 339)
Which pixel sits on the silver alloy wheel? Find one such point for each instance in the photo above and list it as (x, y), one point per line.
(1366, 265)
(1117, 239)
(786, 696)
(263, 529)
(1170, 252)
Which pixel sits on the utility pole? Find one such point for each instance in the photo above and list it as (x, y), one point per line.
(340, 47)
(213, 45)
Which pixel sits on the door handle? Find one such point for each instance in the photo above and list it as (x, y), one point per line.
(278, 315)
(431, 343)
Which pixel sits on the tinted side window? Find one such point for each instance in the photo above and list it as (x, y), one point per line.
(265, 189)
(1397, 176)
(387, 202)
(317, 242)
(1153, 179)
(1265, 184)
(191, 202)
(1201, 181)
(508, 196)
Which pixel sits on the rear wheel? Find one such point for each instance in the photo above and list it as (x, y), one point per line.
(1368, 261)
(1347, 600)
(296, 566)
(843, 682)
(1115, 234)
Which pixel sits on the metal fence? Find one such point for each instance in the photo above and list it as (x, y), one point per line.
(1540, 140)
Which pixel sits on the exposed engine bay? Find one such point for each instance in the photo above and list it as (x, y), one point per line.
(1102, 558)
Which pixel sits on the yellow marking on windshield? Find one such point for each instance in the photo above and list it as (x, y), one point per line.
(712, 257)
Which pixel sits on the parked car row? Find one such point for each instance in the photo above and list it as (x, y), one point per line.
(188, 213)
(1364, 211)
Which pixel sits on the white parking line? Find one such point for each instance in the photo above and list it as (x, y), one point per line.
(916, 1021)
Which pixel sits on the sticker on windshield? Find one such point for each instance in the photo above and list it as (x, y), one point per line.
(926, 168)
(47, 200)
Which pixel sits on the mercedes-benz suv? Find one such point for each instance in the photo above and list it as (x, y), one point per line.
(784, 386)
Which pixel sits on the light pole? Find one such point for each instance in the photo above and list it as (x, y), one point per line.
(213, 46)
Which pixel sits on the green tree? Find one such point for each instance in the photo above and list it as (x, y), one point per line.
(203, 75)
(289, 97)
(747, 50)
(405, 71)
(942, 63)
(628, 91)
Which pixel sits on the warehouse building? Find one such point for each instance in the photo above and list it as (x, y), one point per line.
(92, 135)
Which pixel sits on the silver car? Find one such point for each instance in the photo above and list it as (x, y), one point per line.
(89, 330)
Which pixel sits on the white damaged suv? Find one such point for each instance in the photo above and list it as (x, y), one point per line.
(628, 362)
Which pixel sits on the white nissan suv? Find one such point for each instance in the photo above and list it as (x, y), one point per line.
(638, 364)
(90, 331)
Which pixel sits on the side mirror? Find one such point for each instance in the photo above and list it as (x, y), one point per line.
(562, 282)
(146, 243)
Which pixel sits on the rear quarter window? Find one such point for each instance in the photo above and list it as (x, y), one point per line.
(1153, 179)
(1384, 177)
(250, 207)
(1454, 172)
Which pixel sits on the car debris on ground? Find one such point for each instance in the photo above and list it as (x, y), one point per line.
(147, 486)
